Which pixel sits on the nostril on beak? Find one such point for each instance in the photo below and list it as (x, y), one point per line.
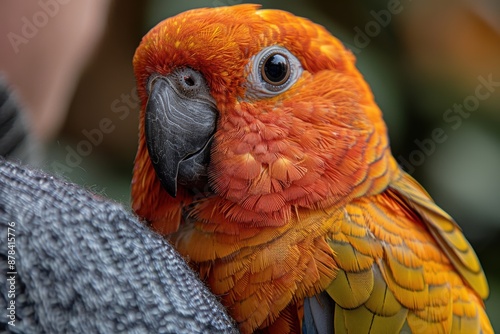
(189, 79)
(186, 82)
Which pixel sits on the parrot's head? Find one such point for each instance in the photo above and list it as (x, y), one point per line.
(256, 113)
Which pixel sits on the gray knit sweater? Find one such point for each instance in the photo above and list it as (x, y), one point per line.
(83, 264)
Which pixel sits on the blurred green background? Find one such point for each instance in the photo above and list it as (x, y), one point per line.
(423, 59)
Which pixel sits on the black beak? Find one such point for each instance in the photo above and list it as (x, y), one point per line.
(180, 120)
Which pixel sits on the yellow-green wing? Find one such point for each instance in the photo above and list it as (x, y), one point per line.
(445, 231)
(404, 262)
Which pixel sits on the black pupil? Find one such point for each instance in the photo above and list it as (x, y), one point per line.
(189, 81)
(276, 68)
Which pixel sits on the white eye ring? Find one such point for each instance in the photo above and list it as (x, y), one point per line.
(271, 72)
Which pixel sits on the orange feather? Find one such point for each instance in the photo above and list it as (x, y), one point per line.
(303, 194)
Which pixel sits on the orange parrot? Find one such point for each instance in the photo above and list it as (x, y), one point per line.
(265, 160)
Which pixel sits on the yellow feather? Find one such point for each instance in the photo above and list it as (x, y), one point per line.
(349, 258)
(351, 290)
(339, 320)
(446, 232)
(361, 320)
(412, 299)
(409, 276)
(436, 317)
(382, 300)
(463, 325)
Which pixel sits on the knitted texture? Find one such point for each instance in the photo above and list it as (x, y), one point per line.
(86, 265)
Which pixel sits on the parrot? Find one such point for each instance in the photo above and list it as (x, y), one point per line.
(264, 160)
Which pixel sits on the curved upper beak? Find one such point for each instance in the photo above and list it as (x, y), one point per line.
(180, 120)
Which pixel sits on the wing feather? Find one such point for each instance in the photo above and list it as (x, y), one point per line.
(445, 231)
(404, 263)
(351, 289)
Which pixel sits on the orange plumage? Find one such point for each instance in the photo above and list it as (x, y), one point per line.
(302, 195)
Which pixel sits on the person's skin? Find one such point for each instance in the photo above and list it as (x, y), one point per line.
(44, 45)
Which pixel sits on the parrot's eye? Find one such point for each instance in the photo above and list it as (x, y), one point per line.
(272, 71)
(275, 69)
